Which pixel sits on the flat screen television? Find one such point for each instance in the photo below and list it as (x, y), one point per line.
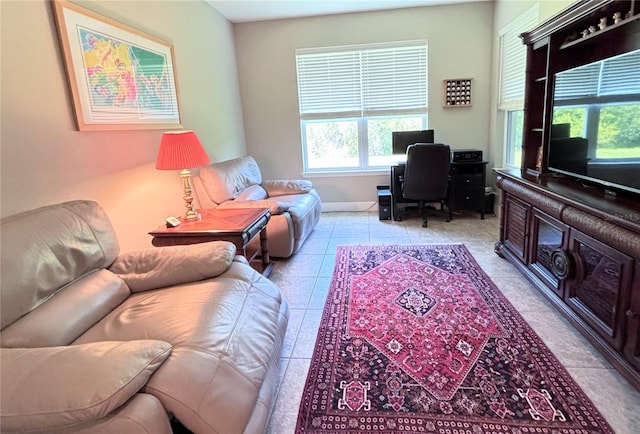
(400, 140)
(595, 132)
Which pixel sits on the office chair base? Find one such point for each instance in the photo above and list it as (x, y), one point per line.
(401, 212)
(447, 218)
(424, 209)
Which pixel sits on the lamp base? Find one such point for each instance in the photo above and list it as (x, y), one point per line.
(192, 215)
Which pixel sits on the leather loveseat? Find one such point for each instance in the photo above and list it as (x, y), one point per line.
(94, 340)
(295, 205)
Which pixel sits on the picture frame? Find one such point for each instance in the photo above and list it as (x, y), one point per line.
(120, 78)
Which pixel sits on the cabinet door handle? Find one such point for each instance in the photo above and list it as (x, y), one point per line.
(633, 315)
(562, 264)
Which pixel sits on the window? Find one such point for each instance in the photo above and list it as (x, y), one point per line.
(351, 99)
(513, 61)
(513, 147)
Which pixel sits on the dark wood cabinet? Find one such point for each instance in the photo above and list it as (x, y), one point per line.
(466, 186)
(535, 105)
(632, 341)
(549, 237)
(516, 225)
(582, 251)
(574, 240)
(599, 285)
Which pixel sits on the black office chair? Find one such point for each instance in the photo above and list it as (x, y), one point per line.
(426, 176)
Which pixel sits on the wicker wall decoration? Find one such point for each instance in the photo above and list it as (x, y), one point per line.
(456, 92)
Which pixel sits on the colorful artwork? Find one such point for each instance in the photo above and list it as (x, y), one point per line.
(123, 75)
(120, 78)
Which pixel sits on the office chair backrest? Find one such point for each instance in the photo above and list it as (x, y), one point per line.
(426, 175)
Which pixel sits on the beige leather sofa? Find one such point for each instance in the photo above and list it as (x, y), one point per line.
(295, 206)
(93, 340)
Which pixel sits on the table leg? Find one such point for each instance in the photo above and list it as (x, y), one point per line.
(267, 265)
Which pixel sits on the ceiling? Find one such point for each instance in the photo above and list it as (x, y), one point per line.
(239, 11)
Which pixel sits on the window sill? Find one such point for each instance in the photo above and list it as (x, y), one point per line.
(346, 173)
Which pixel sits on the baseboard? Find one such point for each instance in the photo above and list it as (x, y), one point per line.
(349, 206)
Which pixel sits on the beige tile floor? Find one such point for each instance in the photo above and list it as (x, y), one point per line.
(305, 278)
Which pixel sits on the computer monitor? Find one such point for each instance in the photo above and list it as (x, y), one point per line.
(400, 140)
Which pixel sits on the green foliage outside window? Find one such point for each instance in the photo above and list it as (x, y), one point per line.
(343, 137)
(380, 129)
(515, 119)
(618, 127)
(574, 116)
(334, 143)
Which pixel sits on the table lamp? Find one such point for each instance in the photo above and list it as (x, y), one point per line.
(181, 150)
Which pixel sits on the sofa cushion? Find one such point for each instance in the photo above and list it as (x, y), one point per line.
(142, 414)
(253, 192)
(225, 180)
(275, 206)
(285, 187)
(48, 248)
(57, 387)
(68, 313)
(173, 265)
(255, 196)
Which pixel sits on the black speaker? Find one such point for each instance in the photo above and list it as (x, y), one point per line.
(384, 202)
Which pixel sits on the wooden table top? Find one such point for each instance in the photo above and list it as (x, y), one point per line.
(215, 221)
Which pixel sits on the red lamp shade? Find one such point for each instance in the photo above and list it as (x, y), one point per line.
(180, 150)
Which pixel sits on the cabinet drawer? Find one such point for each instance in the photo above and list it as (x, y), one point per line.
(468, 199)
(469, 180)
(468, 191)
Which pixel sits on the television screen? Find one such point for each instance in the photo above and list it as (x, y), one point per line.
(400, 140)
(596, 122)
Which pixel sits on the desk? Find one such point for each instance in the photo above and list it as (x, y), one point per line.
(466, 187)
(238, 225)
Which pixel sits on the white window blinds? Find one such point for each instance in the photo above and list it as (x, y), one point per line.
(615, 76)
(365, 80)
(621, 75)
(513, 60)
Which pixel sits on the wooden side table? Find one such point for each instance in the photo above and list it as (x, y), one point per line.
(239, 226)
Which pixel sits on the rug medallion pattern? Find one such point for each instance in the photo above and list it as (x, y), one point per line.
(418, 339)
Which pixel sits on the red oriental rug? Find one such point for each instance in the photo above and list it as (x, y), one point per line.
(418, 339)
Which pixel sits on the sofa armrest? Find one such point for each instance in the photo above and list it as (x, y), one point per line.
(159, 267)
(275, 207)
(54, 388)
(283, 187)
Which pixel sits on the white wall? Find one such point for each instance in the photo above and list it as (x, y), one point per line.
(44, 160)
(460, 46)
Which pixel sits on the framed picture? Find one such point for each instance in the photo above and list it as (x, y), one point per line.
(456, 92)
(120, 78)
